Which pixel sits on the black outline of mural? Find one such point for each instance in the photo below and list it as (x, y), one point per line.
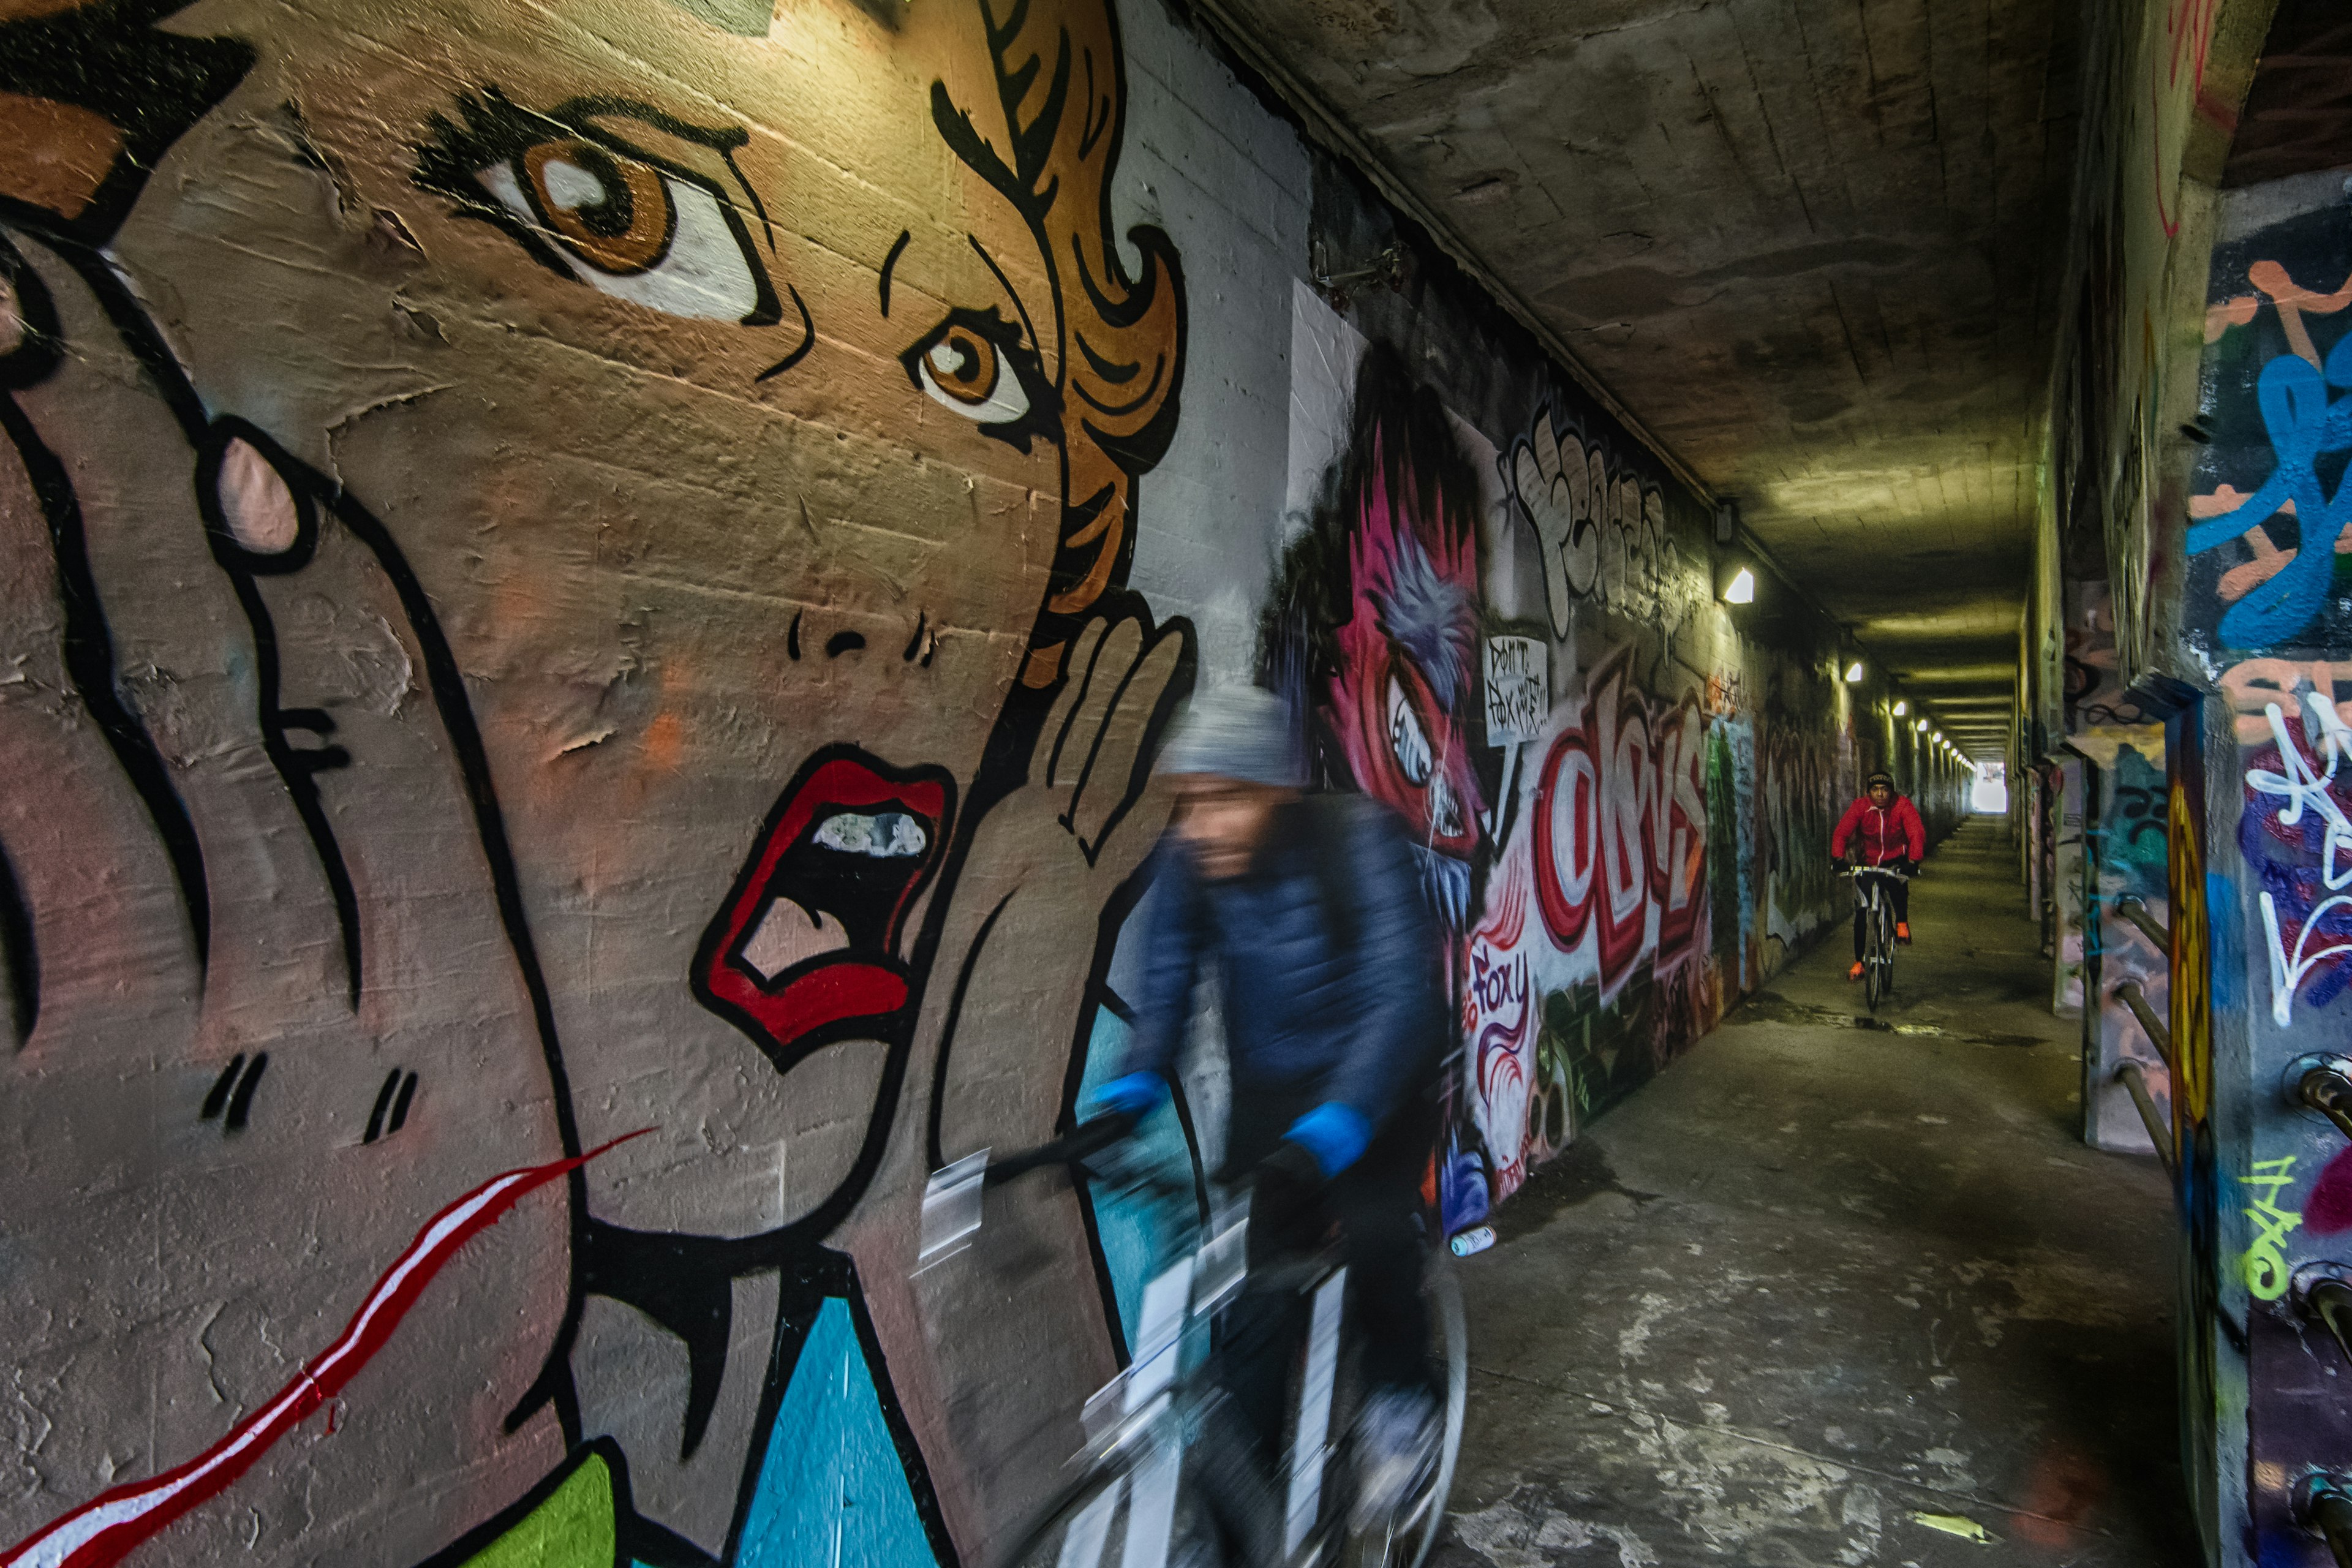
(711, 952)
(88, 643)
(108, 58)
(298, 766)
(20, 951)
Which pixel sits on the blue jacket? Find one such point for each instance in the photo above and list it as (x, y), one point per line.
(1309, 1015)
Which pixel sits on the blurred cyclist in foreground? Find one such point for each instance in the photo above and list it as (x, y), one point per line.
(1885, 831)
(1308, 912)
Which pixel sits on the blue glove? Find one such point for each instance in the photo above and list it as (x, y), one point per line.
(1136, 1096)
(1334, 1133)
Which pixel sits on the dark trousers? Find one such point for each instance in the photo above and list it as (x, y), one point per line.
(1376, 1207)
(1895, 892)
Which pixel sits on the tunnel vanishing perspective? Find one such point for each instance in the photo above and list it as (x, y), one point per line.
(589, 601)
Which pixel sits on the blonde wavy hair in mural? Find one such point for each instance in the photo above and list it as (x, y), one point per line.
(1061, 82)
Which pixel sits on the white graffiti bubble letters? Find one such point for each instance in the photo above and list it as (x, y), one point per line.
(1600, 537)
(2303, 785)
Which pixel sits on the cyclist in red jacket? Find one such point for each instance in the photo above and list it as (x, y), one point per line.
(1886, 830)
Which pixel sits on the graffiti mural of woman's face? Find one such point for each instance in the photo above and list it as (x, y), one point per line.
(594, 507)
(722, 393)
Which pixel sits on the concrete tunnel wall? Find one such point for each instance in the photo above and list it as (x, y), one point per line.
(2181, 726)
(586, 597)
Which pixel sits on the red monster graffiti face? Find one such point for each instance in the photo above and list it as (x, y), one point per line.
(1404, 679)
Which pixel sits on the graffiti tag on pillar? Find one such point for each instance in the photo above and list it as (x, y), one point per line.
(2302, 851)
(2282, 587)
(2265, 1263)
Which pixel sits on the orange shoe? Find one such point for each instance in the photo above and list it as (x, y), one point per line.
(1856, 972)
(1903, 933)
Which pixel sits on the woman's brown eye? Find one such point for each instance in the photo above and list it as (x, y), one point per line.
(966, 369)
(963, 364)
(613, 211)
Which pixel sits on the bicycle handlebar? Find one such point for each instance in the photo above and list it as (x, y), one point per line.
(1089, 1137)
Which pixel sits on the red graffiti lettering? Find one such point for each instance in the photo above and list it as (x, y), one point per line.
(1621, 802)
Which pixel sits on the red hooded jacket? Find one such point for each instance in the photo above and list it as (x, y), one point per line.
(1894, 833)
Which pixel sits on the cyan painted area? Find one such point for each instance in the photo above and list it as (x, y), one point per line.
(1137, 1235)
(832, 1492)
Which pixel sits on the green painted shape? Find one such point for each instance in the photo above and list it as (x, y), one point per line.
(573, 1528)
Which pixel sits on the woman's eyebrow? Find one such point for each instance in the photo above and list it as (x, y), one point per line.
(889, 263)
(1027, 325)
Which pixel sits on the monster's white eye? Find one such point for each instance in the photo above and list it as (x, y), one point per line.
(631, 230)
(965, 371)
(1406, 736)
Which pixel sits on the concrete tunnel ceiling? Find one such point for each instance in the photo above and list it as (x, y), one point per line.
(1811, 247)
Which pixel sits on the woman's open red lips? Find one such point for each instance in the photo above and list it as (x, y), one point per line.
(806, 950)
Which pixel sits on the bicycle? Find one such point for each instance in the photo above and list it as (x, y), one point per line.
(1165, 1470)
(1878, 929)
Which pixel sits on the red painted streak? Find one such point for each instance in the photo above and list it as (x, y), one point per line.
(2191, 24)
(111, 1525)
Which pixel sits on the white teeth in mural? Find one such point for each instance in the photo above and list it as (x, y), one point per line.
(1444, 809)
(788, 934)
(885, 835)
(1406, 736)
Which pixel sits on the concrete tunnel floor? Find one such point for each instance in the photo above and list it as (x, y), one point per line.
(1814, 1282)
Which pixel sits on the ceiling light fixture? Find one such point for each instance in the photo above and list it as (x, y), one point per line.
(1901, 709)
(1854, 673)
(1742, 588)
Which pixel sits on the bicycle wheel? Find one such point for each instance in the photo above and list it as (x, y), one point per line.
(1425, 1520)
(1143, 1513)
(1405, 1538)
(1887, 948)
(1878, 958)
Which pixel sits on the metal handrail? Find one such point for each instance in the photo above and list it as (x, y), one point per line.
(2322, 1504)
(2133, 1076)
(2131, 908)
(2132, 997)
(2329, 1300)
(2327, 1090)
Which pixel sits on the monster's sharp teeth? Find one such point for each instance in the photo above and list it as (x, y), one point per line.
(883, 835)
(788, 934)
(1444, 808)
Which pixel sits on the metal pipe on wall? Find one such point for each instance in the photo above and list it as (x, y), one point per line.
(2133, 1076)
(2132, 997)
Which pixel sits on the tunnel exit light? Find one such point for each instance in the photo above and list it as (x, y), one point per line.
(1742, 588)
(1854, 673)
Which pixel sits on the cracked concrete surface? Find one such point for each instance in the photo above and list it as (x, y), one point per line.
(1826, 1295)
(1813, 248)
